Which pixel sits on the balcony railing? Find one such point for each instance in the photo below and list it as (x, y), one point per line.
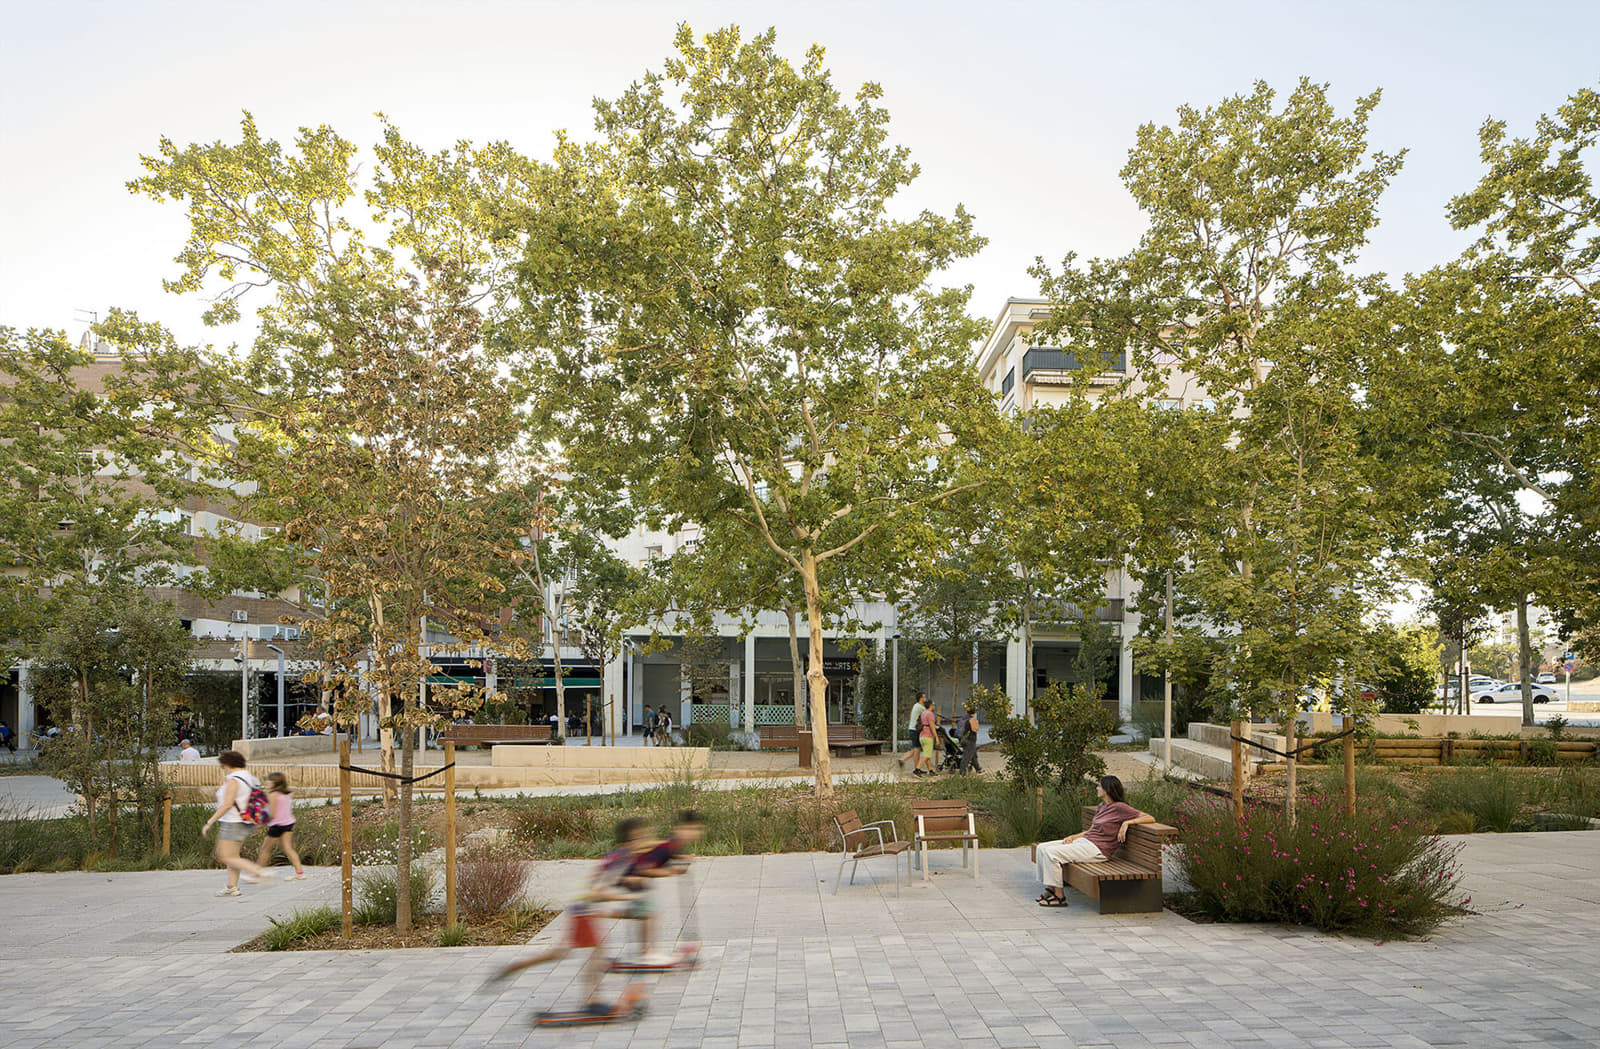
(1054, 359)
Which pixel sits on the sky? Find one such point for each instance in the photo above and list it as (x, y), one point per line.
(1023, 112)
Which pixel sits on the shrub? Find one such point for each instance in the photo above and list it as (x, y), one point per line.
(455, 936)
(1055, 747)
(1375, 872)
(378, 895)
(1543, 753)
(301, 925)
(487, 880)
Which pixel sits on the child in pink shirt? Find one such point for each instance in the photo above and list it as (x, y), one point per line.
(280, 824)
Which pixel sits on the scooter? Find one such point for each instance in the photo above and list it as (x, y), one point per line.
(687, 956)
(630, 1005)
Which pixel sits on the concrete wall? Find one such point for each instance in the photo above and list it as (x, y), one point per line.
(286, 747)
(1431, 725)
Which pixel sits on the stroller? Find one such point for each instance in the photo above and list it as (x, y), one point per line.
(950, 747)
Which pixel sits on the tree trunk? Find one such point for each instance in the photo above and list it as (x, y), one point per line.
(794, 667)
(816, 678)
(1525, 657)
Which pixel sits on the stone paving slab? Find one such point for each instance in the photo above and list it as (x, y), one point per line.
(953, 963)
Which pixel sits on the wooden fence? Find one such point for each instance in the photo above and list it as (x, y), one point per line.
(1468, 751)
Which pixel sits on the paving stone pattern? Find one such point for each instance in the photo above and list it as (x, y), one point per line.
(140, 960)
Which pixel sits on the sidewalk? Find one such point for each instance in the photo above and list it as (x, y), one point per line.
(138, 959)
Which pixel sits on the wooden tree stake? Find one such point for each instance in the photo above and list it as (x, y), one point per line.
(346, 875)
(1349, 767)
(1238, 772)
(449, 835)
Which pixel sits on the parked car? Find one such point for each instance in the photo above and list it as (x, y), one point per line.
(1511, 692)
(1546, 678)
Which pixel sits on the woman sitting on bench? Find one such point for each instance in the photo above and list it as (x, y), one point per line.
(1106, 831)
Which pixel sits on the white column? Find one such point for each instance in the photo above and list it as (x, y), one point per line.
(750, 682)
(1017, 687)
(733, 694)
(685, 700)
(635, 689)
(1125, 681)
(25, 724)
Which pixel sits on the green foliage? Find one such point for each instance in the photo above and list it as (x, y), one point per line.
(1275, 498)
(791, 380)
(1490, 795)
(108, 672)
(1055, 748)
(377, 897)
(299, 926)
(874, 684)
(212, 699)
(457, 935)
(1376, 873)
(1407, 661)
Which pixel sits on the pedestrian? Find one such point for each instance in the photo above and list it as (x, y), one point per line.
(969, 741)
(913, 726)
(665, 859)
(927, 738)
(188, 754)
(1108, 828)
(664, 727)
(233, 793)
(8, 738)
(649, 725)
(280, 825)
(608, 883)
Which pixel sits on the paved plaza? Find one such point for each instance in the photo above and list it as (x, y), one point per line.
(94, 960)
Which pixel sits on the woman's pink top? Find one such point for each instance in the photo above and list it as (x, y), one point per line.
(281, 812)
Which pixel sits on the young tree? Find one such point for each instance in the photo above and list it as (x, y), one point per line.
(1242, 284)
(744, 336)
(109, 670)
(371, 413)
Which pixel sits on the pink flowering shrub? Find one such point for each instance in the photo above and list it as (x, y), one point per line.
(1378, 873)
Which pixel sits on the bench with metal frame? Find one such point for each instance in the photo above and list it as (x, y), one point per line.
(944, 821)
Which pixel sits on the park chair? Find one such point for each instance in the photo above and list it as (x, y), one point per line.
(863, 841)
(945, 821)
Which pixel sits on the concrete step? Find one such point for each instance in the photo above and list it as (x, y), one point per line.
(1208, 751)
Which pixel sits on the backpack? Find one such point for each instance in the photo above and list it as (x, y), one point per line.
(256, 809)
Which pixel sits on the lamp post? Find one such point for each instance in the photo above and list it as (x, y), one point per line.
(1166, 686)
(278, 650)
(894, 694)
(244, 684)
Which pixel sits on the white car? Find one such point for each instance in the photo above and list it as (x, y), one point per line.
(1545, 679)
(1511, 692)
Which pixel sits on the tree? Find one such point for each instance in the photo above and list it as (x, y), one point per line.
(1056, 746)
(372, 411)
(109, 670)
(743, 335)
(87, 499)
(1242, 285)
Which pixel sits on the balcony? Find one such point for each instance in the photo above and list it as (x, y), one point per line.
(1053, 364)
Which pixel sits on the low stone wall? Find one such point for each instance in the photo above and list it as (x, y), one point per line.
(658, 760)
(1428, 724)
(284, 747)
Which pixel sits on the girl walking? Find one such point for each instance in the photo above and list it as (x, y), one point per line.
(280, 827)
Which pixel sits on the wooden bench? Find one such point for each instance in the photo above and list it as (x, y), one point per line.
(1129, 882)
(853, 737)
(945, 821)
(840, 738)
(489, 735)
(779, 737)
(864, 841)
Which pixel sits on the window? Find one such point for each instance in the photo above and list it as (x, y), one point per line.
(652, 553)
(1009, 381)
(1168, 404)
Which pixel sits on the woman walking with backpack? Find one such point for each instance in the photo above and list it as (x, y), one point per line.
(233, 801)
(280, 825)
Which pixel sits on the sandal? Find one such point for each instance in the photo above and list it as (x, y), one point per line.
(1053, 901)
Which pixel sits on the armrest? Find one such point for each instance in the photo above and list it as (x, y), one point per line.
(894, 832)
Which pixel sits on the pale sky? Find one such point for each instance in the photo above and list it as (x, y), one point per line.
(1024, 112)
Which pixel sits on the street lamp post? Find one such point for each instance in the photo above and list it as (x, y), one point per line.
(244, 685)
(1166, 688)
(278, 650)
(894, 694)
